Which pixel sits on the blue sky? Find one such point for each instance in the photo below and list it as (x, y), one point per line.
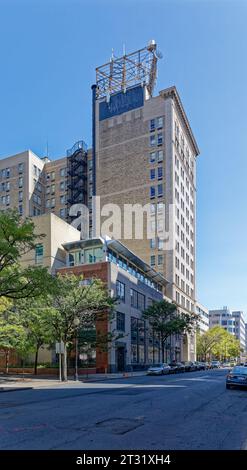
(49, 50)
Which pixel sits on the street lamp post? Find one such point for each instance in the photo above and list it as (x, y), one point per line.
(76, 323)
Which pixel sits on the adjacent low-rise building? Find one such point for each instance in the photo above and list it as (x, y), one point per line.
(49, 251)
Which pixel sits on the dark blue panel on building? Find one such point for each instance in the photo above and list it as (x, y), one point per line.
(121, 103)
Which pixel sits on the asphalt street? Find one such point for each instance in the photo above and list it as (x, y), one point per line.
(183, 411)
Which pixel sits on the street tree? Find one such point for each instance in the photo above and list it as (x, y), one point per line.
(13, 335)
(35, 315)
(79, 305)
(165, 320)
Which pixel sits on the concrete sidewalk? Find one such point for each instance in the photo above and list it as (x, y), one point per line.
(17, 383)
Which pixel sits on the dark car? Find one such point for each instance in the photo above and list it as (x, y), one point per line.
(189, 366)
(176, 367)
(237, 377)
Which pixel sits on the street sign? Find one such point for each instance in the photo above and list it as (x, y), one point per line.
(60, 348)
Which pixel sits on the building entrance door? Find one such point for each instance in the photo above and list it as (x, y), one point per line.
(120, 359)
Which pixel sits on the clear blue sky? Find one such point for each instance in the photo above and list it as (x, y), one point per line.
(49, 50)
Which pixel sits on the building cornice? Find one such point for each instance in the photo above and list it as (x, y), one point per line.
(172, 92)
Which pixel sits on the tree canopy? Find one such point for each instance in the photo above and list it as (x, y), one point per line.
(217, 342)
(165, 320)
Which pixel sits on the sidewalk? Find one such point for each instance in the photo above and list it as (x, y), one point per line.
(17, 383)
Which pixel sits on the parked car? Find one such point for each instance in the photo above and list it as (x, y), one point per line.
(189, 366)
(174, 367)
(201, 365)
(215, 364)
(159, 369)
(180, 367)
(237, 377)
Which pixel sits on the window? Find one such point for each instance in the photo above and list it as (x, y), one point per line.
(62, 185)
(152, 208)
(152, 125)
(20, 182)
(7, 188)
(62, 212)
(48, 203)
(7, 172)
(20, 167)
(63, 199)
(52, 175)
(75, 258)
(159, 139)
(160, 260)
(152, 243)
(53, 202)
(39, 188)
(48, 189)
(160, 207)
(152, 260)
(140, 301)
(160, 156)
(133, 298)
(152, 140)
(152, 191)
(7, 200)
(62, 172)
(160, 246)
(152, 174)
(93, 255)
(160, 190)
(137, 300)
(120, 321)
(160, 172)
(20, 198)
(159, 122)
(39, 253)
(35, 170)
(20, 209)
(120, 290)
(53, 189)
(152, 157)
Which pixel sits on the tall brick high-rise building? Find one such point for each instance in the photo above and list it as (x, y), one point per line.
(144, 152)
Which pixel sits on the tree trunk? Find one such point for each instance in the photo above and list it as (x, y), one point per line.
(36, 360)
(7, 361)
(163, 348)
(65, 375)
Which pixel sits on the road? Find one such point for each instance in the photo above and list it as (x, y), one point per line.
(182, 411)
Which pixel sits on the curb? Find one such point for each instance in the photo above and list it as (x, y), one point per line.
(2, 390)
(111, 378)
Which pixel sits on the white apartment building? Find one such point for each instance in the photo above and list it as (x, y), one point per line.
(233, 322)
(203, 315)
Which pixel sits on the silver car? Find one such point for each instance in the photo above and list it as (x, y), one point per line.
(159, 369)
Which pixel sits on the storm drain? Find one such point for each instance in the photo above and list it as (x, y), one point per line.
(120, 425)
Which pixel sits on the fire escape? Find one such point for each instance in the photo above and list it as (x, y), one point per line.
(77, 174)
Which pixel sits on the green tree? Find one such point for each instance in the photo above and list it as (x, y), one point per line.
(17, 238)
(36, 317)
(217, 342)
(13, 336)
(166, 321)
(78, 305)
